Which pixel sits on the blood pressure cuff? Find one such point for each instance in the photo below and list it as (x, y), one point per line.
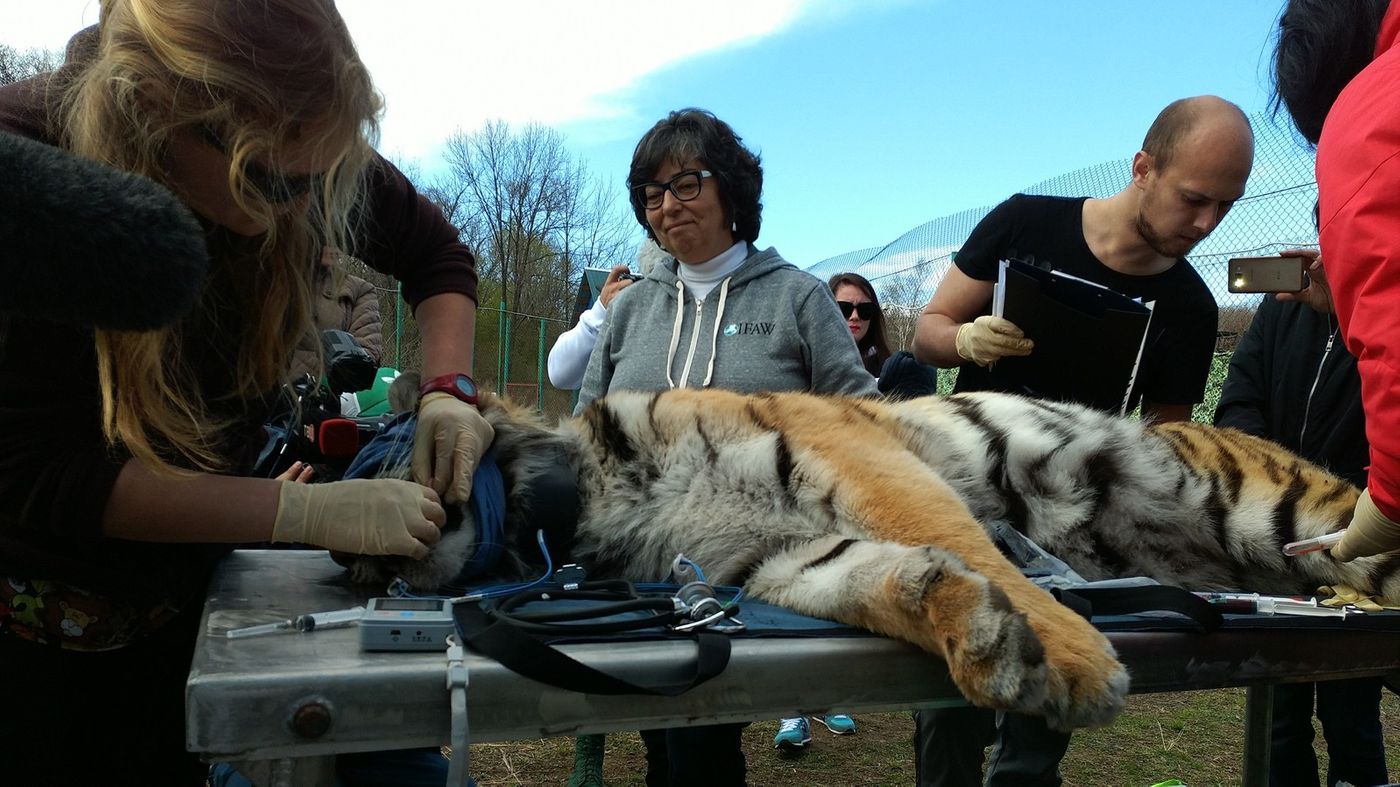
(521, 642)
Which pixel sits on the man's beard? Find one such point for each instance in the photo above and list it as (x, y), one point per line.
(1167, 248)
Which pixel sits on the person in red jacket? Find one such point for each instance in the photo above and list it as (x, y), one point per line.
(1337, 73)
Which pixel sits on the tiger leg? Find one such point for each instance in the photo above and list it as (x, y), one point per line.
(885, 493)
(929, 597)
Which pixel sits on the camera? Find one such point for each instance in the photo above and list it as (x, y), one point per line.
(1267, 274)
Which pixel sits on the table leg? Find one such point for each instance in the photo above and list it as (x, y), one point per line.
(1258, 724)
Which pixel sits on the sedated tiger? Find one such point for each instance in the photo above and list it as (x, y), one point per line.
(868, 512)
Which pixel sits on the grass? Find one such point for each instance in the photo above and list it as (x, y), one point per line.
(1196, 737)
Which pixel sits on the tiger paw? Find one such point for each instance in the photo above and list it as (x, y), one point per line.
(1088, 686)
(993, 655)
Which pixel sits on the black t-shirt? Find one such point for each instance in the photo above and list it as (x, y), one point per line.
(1049, 231)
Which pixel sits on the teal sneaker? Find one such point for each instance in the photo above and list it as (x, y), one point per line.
(793, 734)
(839, 723)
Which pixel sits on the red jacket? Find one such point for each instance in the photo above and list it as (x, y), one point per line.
(1358, 179)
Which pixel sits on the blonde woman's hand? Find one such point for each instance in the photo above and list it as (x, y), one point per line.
(373, 516)
(451, 437)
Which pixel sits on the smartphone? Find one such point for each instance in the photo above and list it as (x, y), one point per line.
(1267, 274)
(628, 277)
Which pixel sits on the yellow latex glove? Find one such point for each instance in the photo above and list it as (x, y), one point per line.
(378, 516)
(448, 444)
(1369, 533)
(1342, 595)
(988, 338)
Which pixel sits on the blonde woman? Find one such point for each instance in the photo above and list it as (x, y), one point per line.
(120, 452)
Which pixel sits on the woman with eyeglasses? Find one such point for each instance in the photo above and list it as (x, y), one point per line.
(721, 313)
(120, 486)
(856, 298)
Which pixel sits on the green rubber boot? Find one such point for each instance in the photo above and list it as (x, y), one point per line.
(588, 761)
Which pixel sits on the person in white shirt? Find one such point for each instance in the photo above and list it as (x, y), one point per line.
(568, 358)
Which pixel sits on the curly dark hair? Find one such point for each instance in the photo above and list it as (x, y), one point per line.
(696, 134)
(1321, 45)
(874, 346)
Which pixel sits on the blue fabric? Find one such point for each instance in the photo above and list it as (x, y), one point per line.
(488, 502)
(393, 447)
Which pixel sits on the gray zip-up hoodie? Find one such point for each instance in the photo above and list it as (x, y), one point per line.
(768, 327)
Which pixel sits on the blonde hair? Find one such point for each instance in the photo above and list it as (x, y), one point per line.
(262, 75)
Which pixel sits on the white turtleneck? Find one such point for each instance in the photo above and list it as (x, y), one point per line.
(701, 278)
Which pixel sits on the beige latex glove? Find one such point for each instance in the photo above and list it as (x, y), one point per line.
(1346, 595)
(988, 338)
(1370, 532)
(450, 439)
(378, 516)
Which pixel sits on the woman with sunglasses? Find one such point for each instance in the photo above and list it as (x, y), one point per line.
(859, 304)
(720, 313)
(120, 487)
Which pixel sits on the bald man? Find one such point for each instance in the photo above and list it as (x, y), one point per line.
(1192, 167)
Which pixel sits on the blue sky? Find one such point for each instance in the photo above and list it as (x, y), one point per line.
(871, 117)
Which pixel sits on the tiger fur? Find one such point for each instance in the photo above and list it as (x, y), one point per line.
(867, 512)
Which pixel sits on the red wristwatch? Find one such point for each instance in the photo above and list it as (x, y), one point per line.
(457, 384)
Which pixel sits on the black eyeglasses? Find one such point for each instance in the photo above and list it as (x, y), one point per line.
(864, 311)
(277, 187)
(685, 186)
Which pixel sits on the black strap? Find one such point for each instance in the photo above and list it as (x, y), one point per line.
(523, 654)
(1091, 602)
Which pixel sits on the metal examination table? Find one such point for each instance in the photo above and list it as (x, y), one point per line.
(280, 706)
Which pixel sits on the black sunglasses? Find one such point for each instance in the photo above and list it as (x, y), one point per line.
(865, 311)
(277, 187)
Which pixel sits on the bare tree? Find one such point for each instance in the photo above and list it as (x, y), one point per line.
(902, 298)
(534, 214)
(16, 65)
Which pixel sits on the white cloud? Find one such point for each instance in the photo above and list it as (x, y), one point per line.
(447, 64)
(46, 25)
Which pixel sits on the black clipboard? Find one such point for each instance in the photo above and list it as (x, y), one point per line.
(1088, 338)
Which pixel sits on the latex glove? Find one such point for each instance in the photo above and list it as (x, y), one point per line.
(377, 516)
(449, 441)
(988, 338)
(1346, 595)
(1370, 532)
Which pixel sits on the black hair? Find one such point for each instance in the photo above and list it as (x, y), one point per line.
(1321, 45)
(697, 134)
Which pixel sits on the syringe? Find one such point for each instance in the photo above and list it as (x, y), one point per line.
(308, 622)
(1313, 544)
(1250, 603)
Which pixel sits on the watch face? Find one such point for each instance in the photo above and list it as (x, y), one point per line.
(465, 385)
